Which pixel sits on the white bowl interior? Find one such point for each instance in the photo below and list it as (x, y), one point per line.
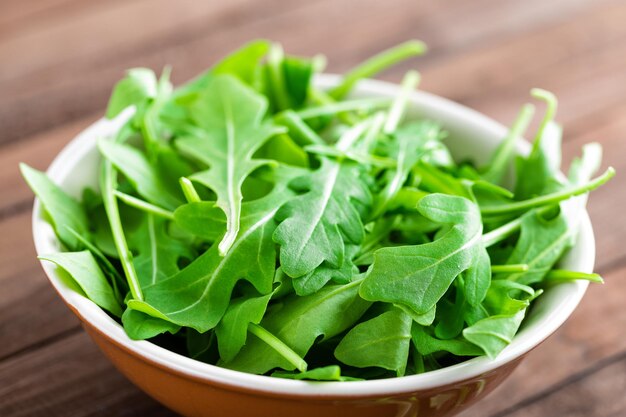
(472, 135)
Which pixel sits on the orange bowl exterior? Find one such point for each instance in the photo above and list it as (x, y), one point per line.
(194, 397)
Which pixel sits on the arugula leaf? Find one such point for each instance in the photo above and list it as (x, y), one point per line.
(320, 276)
(140, 326)
(314, 226)
(378, 63)
(426, 344)
(494, 333)
(382, 341)
(157, 252)
(298, 323)
(504, 153)
(84, 270)
(202, 219)
(244, 63)
(418, 276)
(414, 140)
(538, 173)
(198, 296)
(478, 278)
(139, 85)
(326, 373)
(540, 245)
(144, 177)
(232, 330)
(230, 115)
(65, 213)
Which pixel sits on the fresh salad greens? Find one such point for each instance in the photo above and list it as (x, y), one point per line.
(251, 220)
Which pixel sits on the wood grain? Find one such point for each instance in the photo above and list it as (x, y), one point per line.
(70, 377)
(597, 393)
(30, 309)
(83, 78)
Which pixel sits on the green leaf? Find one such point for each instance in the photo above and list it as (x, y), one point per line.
(315, 226)
(85, 271)
(244, 63)
(494, 333)
(139, 85)
(418, 276)
(65, 212)
(283, 149)
(508, 297)
(320, 276)
(478, 278)
(541, 244)
(414, 140)
(298, 322)
(230, 115)
(503, 155)
(199, 295)
(232, 331)
(538, 173)
(140, 326)
(143, 176)
(298, 75)
(378, 63)
(449, 314)
(326, 373)
(157, 253)
(202, 219)
(426, 344)
(382, 341)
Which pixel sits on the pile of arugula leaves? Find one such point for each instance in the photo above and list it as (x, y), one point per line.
(250, 220)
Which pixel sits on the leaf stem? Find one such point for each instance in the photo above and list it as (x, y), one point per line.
(275, 59)
(189, 190)
(551, 106)
(143, 205)
(561, 275)
(501, 233)
(343, 106)
(378, 63)
(108, 186)
(548, 198)
(409, 83)
(279, 346)
(350, 136)
(372, 133)
(299, 131)
(502, 156)
(513, 268)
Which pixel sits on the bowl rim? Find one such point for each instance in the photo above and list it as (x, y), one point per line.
(526, 339)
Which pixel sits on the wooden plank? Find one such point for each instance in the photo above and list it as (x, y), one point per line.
(60, 92)
(30, 309)
(87, 36)
(70, 377)
(605, 204)
(19, 12)
(592, 334)
(580, 60)
(38, 151)
(599, 394)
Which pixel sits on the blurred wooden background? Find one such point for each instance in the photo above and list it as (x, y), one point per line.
(60, 58)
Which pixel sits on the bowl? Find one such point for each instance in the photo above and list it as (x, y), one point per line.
(196, 389)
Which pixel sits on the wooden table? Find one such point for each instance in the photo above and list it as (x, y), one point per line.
(60, 58)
